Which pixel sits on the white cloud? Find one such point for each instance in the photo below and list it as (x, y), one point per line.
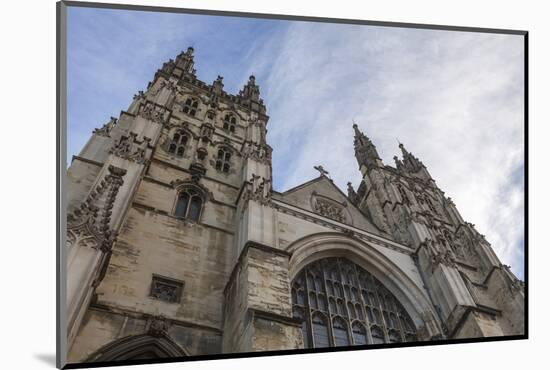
(454, 98)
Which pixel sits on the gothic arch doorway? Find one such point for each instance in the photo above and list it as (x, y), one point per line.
(139, 347)
(342, 304)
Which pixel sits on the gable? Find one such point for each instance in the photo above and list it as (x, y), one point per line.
(323, 197)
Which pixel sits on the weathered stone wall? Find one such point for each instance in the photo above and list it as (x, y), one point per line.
(258, 305)
(509, 297)
(478, 325)
(103, 325)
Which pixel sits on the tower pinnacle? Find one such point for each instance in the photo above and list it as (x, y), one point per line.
(251, 90)
(365, 151)
(185, 60)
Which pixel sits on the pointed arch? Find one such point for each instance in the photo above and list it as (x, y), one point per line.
(138, 347)
(190, 200)
(415, 301)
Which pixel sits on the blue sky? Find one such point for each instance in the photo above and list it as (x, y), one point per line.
(455, 99)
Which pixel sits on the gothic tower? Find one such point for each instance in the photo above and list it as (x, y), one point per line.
(152, 204)
(472, 291)
(178, 245)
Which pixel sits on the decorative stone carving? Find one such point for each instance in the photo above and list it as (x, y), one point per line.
(154, 112)
(207, 130)
(89, 225)
(403, 194)
(259, 190)
(131, 149)
(106, 128)
(445, 258)
(329, 209)
(197, 171)
(352, 195)
(260, 153)
(169, 85)
(158, 326)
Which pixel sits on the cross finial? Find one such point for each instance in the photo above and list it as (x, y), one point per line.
(321, 170)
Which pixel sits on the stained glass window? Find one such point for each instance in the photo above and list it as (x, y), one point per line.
(360, 309)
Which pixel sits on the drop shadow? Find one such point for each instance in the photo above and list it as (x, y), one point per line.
(47, 358)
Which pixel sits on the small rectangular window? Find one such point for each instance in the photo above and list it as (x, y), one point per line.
(165, 289)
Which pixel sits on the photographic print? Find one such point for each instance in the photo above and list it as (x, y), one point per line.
(241, 185)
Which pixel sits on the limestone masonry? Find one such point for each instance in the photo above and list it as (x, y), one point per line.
(177, 244)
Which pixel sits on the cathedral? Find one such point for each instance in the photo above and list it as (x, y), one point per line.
(178, 245)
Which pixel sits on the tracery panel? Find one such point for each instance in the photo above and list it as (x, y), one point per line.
(341, 304)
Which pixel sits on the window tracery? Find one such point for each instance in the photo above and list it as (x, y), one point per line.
(360, 309)
(178, 143)
(190, 106)
(189, 204)
(229, 122)
(223, 160)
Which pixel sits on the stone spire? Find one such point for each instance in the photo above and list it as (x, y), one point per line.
(412, 165)
(410, 162)
(365, 151)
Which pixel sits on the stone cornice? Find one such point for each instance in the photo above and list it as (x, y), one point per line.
(271, 316)
(182, 169)
(136, 204)
(86, 160)
(170, 186)
(146, 316)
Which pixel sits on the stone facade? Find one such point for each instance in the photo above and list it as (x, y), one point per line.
(178, 245)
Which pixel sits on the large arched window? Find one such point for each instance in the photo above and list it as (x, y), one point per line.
(189, 204)
(190, 106)
(341, 304)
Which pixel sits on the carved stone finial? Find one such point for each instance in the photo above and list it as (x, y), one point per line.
(352, 195)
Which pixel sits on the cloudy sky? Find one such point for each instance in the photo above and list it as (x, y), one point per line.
(455, 99)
